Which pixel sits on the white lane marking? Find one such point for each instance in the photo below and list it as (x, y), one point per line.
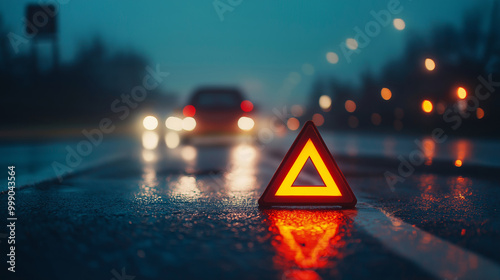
(437, 256)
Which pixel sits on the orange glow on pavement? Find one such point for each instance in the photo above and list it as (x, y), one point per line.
(306, 240)
(429, 150)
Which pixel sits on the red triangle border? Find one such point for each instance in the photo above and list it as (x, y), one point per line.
(309, 131)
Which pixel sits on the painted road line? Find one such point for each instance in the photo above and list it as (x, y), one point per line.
(437, 256)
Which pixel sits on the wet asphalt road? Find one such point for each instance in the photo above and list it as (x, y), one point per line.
(191, 213)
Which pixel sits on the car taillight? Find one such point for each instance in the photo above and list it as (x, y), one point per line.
(246, 106)
(189, 111)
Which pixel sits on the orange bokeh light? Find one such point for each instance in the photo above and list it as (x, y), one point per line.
(306, 240)
(479, 113)
(461, 93)
(318, 119)
(427, 106)
(293, 124)
(386, 93)
(430, 64)
(376, 119)
(458, 163)
(350, 106)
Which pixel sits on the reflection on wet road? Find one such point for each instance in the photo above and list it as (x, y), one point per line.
(306, 241)
(190, 211)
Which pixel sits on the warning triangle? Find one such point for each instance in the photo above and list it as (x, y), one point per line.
(283, 191)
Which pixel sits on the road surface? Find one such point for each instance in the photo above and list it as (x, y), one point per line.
(133, 210)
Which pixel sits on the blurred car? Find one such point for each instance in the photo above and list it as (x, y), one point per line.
(210, 111)
(217, 110)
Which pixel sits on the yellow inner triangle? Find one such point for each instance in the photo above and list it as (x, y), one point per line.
(330, 188)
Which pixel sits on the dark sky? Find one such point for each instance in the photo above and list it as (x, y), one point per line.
(270, 48)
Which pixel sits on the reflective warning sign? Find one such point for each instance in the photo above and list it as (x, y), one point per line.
(282, 189)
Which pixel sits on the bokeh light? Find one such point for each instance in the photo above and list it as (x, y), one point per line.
(399, 113)
(376, 118)
(246, 106)
(245, 123)
(332, 57)
(461, 93)
(189, 111)
(318, 119)
(293, 124)
(430, 64)
(150, 123)
(429, 149)
(351, 43)
(479, 113)
(350, 106)
(174, 123)
(399, 24)
(297, 111)
(386, 93)
(325, 102)
(172, 139)
(150, 140)
(458, 163)
(462, 105)
(188, 153)
(440, 108)
(148, 155)
(188, 123)
(308, 69)
(427, 106)
(353, 122)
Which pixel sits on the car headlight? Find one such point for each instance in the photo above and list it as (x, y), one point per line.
(150, 123)
(188, 123)
(246, 123)
(174, 123)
